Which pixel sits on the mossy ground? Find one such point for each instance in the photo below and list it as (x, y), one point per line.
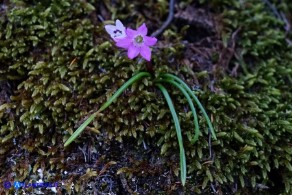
(58, 65)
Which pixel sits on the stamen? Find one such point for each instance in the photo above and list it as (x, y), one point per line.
(139, 39)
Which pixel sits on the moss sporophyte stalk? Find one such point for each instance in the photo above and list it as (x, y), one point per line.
(136, 42)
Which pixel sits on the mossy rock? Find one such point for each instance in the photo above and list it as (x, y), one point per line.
(58, 66)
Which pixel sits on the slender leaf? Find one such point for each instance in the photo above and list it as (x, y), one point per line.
(183, 167)
(123, 88)
(106, 104)
(176, 84)
(170, 76)
(80, 129)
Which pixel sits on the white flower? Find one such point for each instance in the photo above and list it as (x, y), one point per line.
(117, 31)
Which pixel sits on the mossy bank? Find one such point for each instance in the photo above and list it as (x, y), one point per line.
(58, 66)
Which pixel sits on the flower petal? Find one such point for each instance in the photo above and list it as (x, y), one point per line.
(150, 41)
(110, 28)
(143, 29)
(131, 33)
(146, 53)
(123, 43)
(119, 24)
(133, 51)
(116, 39)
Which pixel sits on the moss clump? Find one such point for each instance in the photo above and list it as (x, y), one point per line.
(57, 67)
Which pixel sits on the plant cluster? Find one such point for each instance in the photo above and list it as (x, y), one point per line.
(57, 68)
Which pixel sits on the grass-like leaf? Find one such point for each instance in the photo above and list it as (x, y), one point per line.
(183, 166)
(196, 123)
(80, 129)
(123, 88)
(106, 104)
(170, 76)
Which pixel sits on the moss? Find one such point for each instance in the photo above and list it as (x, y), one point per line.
(60, 67)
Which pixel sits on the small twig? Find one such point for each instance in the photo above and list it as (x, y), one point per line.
(287, 23)
(210, 145)
(273, 9)
(213, 188)
(125, 184)
(234, 188)
(168, 20)
(212, 155)
(144, 145)
(287, 28)
(281, 16)
(84, 153)
(234, 70)
(100, 18)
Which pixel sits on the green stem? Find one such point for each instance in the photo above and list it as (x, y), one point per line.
(176, 84)
(106, 104)
(170, 76)
(183, 167)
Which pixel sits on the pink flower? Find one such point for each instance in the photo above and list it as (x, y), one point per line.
(136, 42)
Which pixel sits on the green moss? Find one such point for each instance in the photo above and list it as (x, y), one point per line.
(62, 67)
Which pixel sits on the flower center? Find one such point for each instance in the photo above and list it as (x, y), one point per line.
(139, 39)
